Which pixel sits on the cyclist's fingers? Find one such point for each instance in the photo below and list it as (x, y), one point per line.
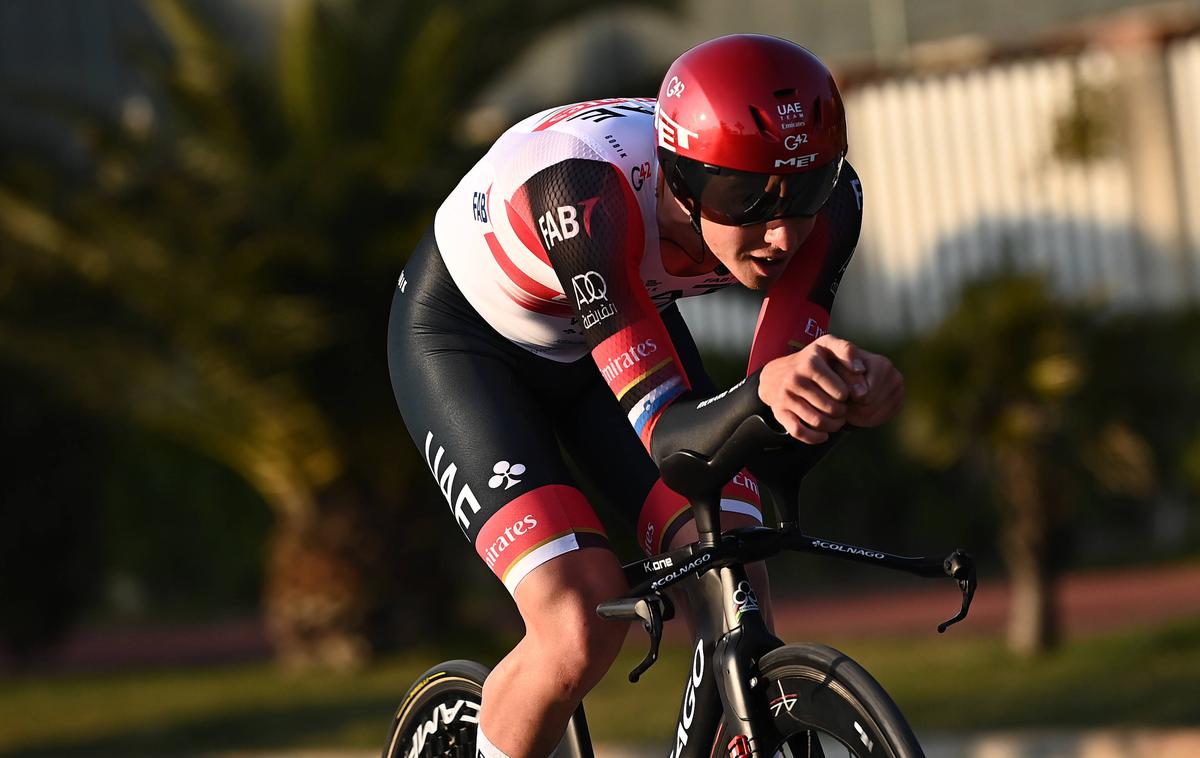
(814, 416)
(819, 369)
(844, 351)
(859, 384)
(798, 429)
(813, 393)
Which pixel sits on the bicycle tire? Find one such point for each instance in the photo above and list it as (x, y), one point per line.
(439, 715)
(824, 705)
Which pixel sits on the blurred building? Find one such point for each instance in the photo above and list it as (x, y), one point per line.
(1062, 135)
(57, 51)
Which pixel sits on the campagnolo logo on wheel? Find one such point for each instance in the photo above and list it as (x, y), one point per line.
(442, 716)
(592, 290)
(785, 700)
(848, 549)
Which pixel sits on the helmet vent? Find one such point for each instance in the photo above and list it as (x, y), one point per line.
(765, 127)
(783, 93)
(816, 111)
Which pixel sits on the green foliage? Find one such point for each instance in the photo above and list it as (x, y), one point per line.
(183, 537)
(49, 514)
(994, 375)
(1104, 402)
(1088, 130)
(220, 267)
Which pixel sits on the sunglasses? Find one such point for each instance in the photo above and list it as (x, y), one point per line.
(744, 198)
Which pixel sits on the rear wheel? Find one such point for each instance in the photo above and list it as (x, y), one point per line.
(824, 705)
(439, 715)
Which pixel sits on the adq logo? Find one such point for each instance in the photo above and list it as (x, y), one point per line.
(589, 288)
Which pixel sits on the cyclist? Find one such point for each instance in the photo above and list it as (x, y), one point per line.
(574, 235)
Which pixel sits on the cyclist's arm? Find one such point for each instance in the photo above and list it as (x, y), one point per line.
(797, 307)
(591, 229)
(795, 312)
(592, 232)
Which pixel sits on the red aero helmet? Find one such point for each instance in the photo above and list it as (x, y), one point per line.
(750, 127)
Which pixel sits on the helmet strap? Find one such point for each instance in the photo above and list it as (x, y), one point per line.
(704, 248)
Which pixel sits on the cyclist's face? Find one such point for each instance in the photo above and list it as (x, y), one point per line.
(757, 255)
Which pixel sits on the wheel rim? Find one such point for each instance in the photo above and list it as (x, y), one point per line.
(818, 718)
(444, 726)
(811, 723)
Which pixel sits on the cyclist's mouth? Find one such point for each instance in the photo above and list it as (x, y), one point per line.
(768, 265)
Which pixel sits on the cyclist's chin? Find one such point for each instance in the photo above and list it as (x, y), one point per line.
(759, 273)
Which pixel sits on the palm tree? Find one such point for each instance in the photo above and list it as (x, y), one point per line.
(998, 388)
(220, 273)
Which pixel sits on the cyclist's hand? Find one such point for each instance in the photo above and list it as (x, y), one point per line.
(808, 392)
(876, 394)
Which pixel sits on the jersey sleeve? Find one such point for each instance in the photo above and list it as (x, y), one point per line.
(590, 226)
(797, 307)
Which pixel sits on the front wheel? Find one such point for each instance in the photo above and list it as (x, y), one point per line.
(439, 715)
(823, 704)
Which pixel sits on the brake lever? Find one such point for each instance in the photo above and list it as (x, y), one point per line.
(960, 566)
(651, 610)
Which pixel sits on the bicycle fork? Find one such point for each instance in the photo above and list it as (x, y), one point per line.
(730, 637)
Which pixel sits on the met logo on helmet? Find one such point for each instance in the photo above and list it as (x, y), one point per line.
(799, 161)
(671, 134)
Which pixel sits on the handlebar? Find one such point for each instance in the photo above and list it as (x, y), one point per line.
(769, 453)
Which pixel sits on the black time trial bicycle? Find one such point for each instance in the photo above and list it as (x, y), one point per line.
(745, 694)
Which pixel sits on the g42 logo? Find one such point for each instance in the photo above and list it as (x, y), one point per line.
(794, 141)
(639, 175)
(675, 87)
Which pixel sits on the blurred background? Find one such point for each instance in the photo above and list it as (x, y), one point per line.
(217, 537)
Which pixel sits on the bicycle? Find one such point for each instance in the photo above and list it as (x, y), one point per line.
(747, 693)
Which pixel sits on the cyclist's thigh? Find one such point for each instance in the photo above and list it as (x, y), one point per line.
(485, 435)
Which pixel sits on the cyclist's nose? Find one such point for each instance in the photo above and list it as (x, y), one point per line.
(787, 233)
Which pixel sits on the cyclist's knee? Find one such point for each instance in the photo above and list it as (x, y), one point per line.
(578, 650)
(572, 644)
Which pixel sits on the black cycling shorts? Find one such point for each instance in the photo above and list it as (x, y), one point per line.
(493, 421)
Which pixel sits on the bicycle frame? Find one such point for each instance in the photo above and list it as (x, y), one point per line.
(730, 634)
